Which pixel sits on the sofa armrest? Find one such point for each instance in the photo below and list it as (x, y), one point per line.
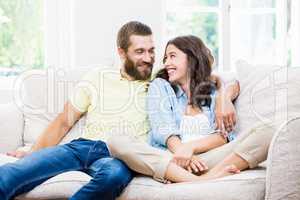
(283, 166)
(11, 127)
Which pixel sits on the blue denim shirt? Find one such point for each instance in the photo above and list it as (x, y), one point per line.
(165, 110)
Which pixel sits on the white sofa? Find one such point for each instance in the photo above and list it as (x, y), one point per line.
(267, 92)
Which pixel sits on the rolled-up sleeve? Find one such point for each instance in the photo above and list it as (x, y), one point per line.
(161, 111)
(82, 94)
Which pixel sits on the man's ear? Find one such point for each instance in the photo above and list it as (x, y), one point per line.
(122, 53)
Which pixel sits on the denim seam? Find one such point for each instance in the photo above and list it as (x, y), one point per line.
(88, 155)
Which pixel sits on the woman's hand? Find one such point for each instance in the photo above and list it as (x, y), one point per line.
(184, 157)
(196, 165)
(183, 154)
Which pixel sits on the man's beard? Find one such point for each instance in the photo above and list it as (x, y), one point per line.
(132, 69)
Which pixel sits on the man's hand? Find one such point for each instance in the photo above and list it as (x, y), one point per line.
(183, 155)
(225, 114)
(18, 154)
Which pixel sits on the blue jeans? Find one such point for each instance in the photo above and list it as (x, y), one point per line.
(109, 175)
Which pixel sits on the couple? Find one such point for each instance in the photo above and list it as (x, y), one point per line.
(184, 92)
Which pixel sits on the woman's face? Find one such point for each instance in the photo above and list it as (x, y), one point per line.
(175, 62)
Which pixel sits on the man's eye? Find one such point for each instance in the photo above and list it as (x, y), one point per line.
(164, 59)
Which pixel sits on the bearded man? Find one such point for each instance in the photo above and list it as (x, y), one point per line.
(113, 103)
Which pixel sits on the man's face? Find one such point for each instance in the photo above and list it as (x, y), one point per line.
(140, 56)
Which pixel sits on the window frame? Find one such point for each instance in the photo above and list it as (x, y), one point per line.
(295, 37)
(59, 34)
(224, 11)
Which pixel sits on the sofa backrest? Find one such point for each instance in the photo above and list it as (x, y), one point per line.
(267, 94)
(44, 96)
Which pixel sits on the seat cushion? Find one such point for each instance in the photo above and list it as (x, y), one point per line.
(61, 186)
(6, 159)
(247, 185)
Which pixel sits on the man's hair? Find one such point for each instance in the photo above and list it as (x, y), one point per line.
(131, 28)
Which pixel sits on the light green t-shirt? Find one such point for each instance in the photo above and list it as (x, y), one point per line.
(113, 104)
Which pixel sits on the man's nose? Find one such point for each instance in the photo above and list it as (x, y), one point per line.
(148, 57)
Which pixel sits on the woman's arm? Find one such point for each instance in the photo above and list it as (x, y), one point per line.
(164, 129)
(205, 144)
(173, 143)
(161, 114)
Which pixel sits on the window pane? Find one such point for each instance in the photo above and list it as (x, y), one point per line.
(21, 35)
(253, 38)
(253, 3)
(191, 3)
(203, 25)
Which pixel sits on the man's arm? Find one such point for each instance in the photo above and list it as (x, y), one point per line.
(56, 130)
(224, 110)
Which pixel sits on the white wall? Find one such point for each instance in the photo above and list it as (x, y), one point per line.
(6, 89)
(83, 32)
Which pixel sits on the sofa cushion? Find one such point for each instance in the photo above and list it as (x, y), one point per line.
(268, 94)
(11, 127)
(61, 186)
(6, 159)
(248, 185)
(45, 92)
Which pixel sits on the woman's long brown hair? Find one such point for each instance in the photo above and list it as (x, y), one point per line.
(200, 61)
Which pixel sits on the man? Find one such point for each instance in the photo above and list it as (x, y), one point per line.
(105, 113)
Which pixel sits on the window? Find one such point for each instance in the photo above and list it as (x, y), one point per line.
(293, 37)
(21, 35)
(256, 31)
(197, 17)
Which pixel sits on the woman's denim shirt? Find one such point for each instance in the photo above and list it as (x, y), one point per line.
(165, 110)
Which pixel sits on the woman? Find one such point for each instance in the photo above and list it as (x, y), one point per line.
(181, 104)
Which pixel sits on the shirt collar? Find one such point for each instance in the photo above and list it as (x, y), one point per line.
(179, 91)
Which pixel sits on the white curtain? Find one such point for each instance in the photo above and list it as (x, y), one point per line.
(253, 31)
